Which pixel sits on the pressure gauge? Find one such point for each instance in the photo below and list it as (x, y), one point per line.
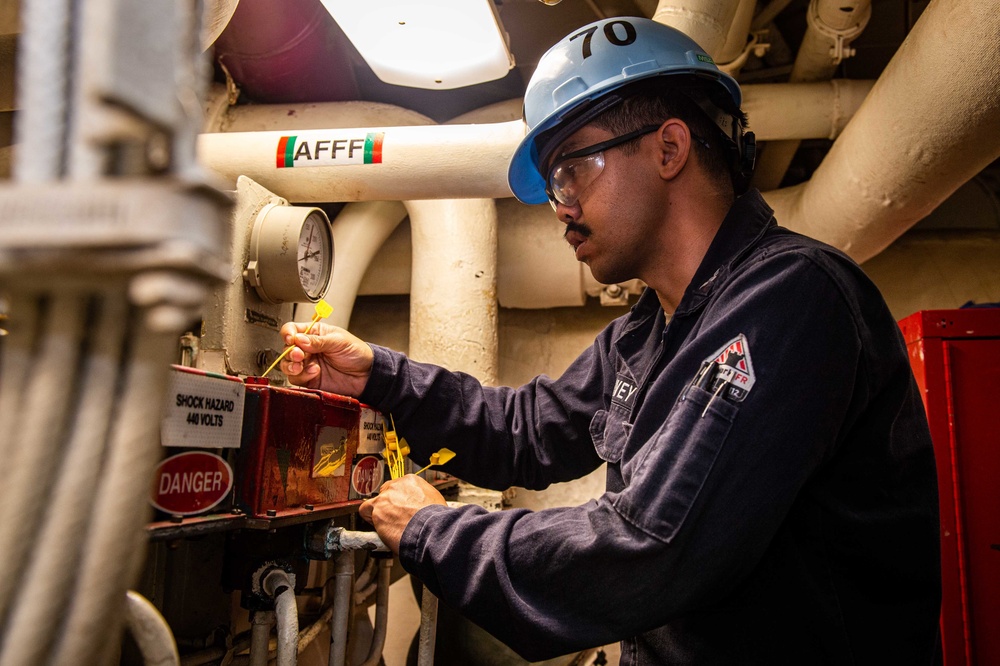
(291, 254)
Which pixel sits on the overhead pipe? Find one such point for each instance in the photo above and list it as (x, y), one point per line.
(452, 161)
(707, 22)
(928, 126)
(831, 27)
(733, 54)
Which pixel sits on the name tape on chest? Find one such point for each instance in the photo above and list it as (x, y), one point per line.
(624, 391)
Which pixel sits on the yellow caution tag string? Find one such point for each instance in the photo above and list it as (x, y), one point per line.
(323, 310)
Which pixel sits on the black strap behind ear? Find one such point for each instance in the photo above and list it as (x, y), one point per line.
(746, 157)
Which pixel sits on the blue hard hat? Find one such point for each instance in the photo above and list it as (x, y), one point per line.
(590, 63)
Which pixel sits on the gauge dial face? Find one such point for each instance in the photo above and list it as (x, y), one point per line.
(314, 256)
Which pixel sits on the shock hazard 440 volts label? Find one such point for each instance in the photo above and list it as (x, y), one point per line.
(203, 410)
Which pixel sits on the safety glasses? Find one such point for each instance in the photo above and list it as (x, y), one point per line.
(572, 173)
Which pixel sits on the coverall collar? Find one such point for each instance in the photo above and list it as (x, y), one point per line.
(741, 230)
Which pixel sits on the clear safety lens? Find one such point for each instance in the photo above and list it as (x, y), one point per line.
(572, 176)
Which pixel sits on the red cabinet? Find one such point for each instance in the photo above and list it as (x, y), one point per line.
(955, 355)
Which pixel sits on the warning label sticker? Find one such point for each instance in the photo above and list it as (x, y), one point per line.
(202, 412)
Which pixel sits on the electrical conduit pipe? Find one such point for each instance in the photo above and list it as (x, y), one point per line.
(280, 585)
(381, 613)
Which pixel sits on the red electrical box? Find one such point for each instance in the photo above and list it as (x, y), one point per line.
(297, 450)
(955, 355)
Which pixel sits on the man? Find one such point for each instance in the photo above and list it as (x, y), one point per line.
(771, 488)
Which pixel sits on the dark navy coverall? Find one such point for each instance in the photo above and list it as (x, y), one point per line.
(771, 489)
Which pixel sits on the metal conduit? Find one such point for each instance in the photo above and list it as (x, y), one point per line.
(279, 585)
(381, 613)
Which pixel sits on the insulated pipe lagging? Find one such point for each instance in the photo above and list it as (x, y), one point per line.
(707, 22)
(360, 228)
(453, 306)
(460, 161)
(926, 128)
(281, 586)
(831, 27)
(381, 613)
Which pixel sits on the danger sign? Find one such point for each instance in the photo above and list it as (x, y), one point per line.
(366, 478)
(190, 482)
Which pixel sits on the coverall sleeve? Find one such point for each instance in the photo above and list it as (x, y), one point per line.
(531, 437)
(704, 496)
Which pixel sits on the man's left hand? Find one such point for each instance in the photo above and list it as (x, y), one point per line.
(398, 500)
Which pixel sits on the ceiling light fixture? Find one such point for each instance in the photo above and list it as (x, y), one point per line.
(434, 44)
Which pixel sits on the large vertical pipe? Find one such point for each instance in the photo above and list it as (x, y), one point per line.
(453, 304)
(343, 603)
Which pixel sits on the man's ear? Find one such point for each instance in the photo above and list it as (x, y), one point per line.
(673, 147)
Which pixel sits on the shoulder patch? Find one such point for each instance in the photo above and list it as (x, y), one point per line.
(733, 367)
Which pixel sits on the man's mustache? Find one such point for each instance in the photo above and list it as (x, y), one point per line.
(581, 229)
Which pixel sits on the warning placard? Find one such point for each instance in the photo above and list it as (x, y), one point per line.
(202, 411)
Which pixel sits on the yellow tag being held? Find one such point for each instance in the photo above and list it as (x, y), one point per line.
(323, 310)
(441, 457)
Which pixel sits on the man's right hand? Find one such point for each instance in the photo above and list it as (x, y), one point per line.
(328, 358)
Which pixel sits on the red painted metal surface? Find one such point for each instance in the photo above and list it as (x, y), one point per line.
(955, 355)
(298, 447)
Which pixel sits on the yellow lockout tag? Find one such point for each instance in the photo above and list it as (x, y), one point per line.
(323, 310)
(441, 457)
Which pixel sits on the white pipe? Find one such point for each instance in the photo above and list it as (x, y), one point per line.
(260, 637)
(151, 632)
(428, 628)
(928, 125)
(736, 40)
(803, 110)
(453, 161)
(472, 162)
(831, 27)
(381, 613)
(358, 232)
(280, 585)
(343, 603)
(453, 306)
(707, 22)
